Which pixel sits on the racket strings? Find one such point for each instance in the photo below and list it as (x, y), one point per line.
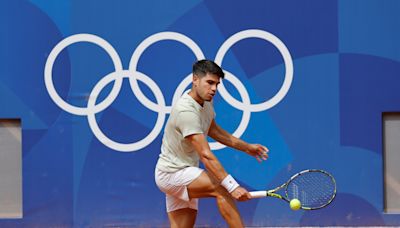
(313, 189)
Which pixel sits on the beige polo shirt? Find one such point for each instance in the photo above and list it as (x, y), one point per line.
(187, 118)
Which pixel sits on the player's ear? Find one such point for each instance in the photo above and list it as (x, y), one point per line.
(195, 80)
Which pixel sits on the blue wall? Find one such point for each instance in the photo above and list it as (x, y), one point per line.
(345, 56)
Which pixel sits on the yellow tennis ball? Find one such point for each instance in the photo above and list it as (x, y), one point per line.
(295, 204)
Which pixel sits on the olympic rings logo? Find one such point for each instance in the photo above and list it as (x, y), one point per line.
(160, 107)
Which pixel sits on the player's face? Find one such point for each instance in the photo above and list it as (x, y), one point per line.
(206, 87)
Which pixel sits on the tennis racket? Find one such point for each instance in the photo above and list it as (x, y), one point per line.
(315, 189)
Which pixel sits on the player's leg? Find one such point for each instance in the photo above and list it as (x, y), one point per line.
(185, 217)
(182, 210)
(206, 186)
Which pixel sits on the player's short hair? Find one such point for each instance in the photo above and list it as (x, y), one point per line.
(204, 66)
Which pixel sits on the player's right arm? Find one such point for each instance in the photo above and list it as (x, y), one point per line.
(207, 157)
(212, 164)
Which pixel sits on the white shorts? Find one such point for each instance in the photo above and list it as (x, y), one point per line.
(174, 185)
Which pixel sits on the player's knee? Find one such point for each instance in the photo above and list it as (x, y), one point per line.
(220, 191)
(213, 190)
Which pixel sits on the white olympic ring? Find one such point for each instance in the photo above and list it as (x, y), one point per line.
(49, 68)
(160, 106)
(253, 33)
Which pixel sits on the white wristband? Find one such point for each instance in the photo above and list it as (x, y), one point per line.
(229, 183)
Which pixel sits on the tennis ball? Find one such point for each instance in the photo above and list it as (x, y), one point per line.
(295, 204)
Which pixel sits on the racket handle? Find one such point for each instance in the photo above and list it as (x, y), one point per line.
(258, 194)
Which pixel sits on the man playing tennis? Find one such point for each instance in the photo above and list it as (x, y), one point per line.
(185, 142)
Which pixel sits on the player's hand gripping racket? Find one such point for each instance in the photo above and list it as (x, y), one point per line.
(314, 189)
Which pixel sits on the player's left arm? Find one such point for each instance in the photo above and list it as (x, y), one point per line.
(258, 151)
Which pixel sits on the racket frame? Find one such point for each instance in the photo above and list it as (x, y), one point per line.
(272, 192)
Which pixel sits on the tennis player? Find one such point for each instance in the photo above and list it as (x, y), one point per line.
(184, 144)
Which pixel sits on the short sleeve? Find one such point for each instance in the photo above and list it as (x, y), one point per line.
(189, 123)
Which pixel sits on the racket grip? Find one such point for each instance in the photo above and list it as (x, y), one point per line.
(258, 194)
